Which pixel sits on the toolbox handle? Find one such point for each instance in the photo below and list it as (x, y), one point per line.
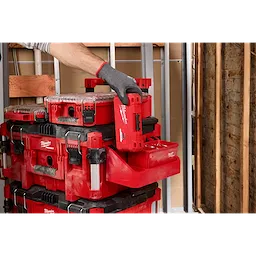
(11, 135)
(90, 83)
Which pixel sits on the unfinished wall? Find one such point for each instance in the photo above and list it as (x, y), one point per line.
(128, 60)
(231, 124)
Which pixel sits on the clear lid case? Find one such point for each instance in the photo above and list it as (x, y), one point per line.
(81, 97)
(26, 109)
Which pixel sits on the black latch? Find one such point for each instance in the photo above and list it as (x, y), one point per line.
(4, 146)
(144, 90)
(8, 205)
(40, 120)
(74, 156)
(89, 116)
(96, 155)
(89, 89)
(18, 147)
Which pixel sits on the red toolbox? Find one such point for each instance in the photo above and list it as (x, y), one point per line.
(70, 159)
(84, 109)
(143, 83)
(14, 152)
(39, 200)
(26, 113)
(86, 167)
(128, 124)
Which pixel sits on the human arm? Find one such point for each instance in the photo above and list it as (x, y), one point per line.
(77, 55)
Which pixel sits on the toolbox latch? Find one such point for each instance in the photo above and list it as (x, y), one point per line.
(74, 154)
(18, 147)
(18, 144)
(89, 116)
(96, 155)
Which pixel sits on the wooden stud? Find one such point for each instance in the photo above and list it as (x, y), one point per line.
(245, 129)
(218, 119)
(199, 110)
(31, 86)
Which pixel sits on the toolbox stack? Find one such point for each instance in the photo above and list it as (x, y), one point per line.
(85, 153)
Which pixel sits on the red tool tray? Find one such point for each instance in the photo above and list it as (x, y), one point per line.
(155, 153)
(142, 171)
(84, 109)
(26, 113)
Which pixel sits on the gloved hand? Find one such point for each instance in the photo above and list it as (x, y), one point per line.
(42, 45)
(119, 82)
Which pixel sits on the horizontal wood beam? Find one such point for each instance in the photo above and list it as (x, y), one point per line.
(31, 86)
(15, 45)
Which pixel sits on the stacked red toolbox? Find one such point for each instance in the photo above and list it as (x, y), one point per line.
(87, 147)
(39, 200)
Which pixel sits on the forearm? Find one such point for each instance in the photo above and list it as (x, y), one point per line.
(76, 55)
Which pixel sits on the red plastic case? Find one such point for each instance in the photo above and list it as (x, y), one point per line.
(26, 113)
(143, 83)
(84, 109)
(128, 124)
(46, 161)
(39, 200)
(87, 180)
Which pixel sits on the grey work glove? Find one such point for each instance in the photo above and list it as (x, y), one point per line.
(119, 82)
(42, 45)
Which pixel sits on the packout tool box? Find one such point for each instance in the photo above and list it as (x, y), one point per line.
(86, 146)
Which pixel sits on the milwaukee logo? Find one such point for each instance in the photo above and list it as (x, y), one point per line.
(48, 211)
(122, 109)
(46, 144)
(171, 154)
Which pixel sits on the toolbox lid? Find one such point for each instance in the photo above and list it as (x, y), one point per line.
(26, 109)
(80, 98)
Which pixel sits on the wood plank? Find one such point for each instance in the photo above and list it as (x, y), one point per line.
(31, 86)
(199, 110)
(16, 45)
(245, 129)
(218, 119)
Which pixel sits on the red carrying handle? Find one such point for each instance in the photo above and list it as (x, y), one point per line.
(90, 83)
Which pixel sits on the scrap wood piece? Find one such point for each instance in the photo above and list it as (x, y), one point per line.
(31, 86)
